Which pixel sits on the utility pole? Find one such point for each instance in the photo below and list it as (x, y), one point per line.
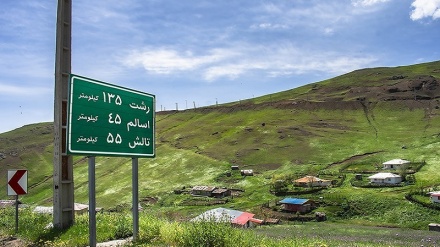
(63, 190)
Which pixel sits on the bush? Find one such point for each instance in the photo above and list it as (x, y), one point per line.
(123, 227)
(150, 228)
(205, 233)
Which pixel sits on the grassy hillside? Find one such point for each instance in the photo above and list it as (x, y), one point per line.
(337, 127)
(345, 87)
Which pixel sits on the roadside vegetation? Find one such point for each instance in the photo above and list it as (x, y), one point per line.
(154, 230)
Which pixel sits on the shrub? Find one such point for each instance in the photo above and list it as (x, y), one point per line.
(149, 228)
(205, 233)
(123, 227)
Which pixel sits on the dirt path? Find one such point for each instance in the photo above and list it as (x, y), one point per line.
(352, 158)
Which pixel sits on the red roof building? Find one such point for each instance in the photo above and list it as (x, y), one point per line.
(237, 218)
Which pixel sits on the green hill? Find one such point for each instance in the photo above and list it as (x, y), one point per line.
(335, 128)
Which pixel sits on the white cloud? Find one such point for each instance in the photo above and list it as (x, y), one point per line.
(246, 60)
(323, 17)
(328, 31)
(272, 8)
(324, 13)
(366, 3)
(102, 12)
(269, 26)
(425, 9)
(166, 61)
(231, 71)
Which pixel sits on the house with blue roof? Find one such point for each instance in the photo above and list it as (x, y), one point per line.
(297, 205)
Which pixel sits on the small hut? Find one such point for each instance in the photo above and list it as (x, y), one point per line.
(220, 193)
(311, 181)
(235, 217)
(435, 196)
(297, 205)
(434, 227)
(202, 190)
(247, 172)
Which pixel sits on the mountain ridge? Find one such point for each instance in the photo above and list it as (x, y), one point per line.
(387, 84)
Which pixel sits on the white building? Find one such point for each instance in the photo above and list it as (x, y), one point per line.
(235, 217)
(435, 196)
(385, 178)
(395, 164)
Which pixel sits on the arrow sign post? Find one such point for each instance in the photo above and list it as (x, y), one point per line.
(17, 185)
(17, 182)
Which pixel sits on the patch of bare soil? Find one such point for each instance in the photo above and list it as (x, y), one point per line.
(149, 200)
(293, 131)
(420, 88)
(269, 167)
(327, 125)
(12, 242)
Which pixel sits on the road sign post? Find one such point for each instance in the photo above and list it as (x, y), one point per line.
(108, 120)
(17, 182)
(17, 185)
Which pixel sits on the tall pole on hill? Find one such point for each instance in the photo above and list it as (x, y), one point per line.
(63, 197)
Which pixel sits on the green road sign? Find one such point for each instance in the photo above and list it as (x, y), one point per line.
(108, 120)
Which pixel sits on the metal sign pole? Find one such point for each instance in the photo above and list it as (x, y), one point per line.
(92, 203)
(16, 214)
(135, 207)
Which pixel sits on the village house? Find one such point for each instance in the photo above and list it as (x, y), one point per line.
(210, 191)
(435, 196)
(385, 178)
(202, 190)
(434, 227)
(247, 172)
(235, 217)
(395, 164)
(311, 181)
(297, 205)
(220, 193)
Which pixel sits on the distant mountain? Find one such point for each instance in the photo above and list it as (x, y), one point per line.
(413, 82)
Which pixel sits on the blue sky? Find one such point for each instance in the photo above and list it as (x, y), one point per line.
(203, 51)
